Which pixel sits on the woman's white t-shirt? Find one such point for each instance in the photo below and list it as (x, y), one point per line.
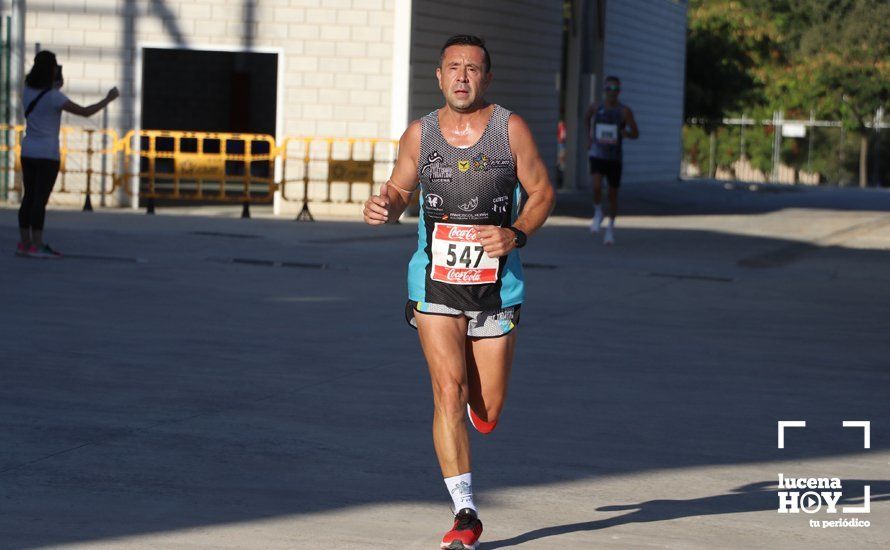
(41, 139)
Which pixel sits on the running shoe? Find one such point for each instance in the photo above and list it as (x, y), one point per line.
(21, 250)
(597, 221)
(481, 426)
(609, 238)
(43, 252)
(465, 533)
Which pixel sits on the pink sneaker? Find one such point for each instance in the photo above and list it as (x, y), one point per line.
(43, 252)
(21, 250)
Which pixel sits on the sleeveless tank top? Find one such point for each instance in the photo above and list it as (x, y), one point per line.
(607, 125)
(460, 188)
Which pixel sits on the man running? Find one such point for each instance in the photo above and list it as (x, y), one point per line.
(612, 122)
(465, 284)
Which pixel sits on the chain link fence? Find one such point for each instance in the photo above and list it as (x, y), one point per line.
(809, 152)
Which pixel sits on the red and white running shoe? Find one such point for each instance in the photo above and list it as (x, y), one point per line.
(465, 533)
(481, 426)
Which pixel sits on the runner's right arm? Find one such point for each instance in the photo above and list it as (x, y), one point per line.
(395, 194)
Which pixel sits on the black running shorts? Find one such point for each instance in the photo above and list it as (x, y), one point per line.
(611, 169)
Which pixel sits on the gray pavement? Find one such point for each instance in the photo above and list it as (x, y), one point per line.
(201, 381)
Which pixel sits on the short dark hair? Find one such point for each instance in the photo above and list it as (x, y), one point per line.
(43, 73)
(466, 40)
(614, 79)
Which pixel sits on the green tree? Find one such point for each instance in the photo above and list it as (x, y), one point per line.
(755, 56)
(838, 63)
(727, 44)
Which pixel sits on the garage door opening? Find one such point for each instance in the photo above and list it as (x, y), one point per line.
(209, 91)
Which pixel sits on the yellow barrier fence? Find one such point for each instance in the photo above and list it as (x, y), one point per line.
(88, 155)
(175, 166)
(330, 170)
(87, 158)
(202, 166)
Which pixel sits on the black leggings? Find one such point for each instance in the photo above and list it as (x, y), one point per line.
(39, 177)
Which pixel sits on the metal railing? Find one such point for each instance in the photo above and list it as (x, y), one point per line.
(780, 150)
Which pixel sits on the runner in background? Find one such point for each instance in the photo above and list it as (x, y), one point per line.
(607, 125)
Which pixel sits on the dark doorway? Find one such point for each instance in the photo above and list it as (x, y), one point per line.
(209, 91)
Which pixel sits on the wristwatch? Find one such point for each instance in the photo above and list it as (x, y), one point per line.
(520, 238)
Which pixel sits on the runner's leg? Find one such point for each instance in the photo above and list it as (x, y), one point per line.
(443, 339)
(597, 178)
(597, 188)
(489, 361)
(613, 204)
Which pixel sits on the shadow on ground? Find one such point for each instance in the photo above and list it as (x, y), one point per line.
(754, 497)
(144, 398)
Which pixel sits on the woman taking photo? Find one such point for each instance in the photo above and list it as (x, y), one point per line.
(44, 103)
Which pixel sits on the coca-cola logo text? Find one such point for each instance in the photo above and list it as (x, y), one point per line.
(464, 275)
(457, 233)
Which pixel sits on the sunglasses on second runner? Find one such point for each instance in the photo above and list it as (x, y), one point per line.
(612, 88)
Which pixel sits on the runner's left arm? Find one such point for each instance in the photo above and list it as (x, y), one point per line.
(532, 175)
(630, 130)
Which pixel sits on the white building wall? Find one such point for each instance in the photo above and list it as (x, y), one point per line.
(523, 38)
(645, 46)
(337, 54)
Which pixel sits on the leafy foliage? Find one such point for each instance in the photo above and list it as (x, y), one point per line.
(828, 57)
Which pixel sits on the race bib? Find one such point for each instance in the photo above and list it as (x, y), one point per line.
(458, 257)
(606, 133)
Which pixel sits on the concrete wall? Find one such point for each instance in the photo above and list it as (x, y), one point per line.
(523, 38)
(363, 68)
(645, 46)
(336, 55)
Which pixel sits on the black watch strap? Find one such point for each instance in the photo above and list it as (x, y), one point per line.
(520, 239)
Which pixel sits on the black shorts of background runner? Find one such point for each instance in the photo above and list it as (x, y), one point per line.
(609, 168)
(38, 178)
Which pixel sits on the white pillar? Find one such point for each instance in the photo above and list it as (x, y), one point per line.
(401, 68)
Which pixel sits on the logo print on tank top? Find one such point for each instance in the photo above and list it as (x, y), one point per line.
(439, 172)
(500, 204)
(480, 163)
(433, 203)
(470, 205)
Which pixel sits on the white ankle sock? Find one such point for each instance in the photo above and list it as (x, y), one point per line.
(461, 490)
